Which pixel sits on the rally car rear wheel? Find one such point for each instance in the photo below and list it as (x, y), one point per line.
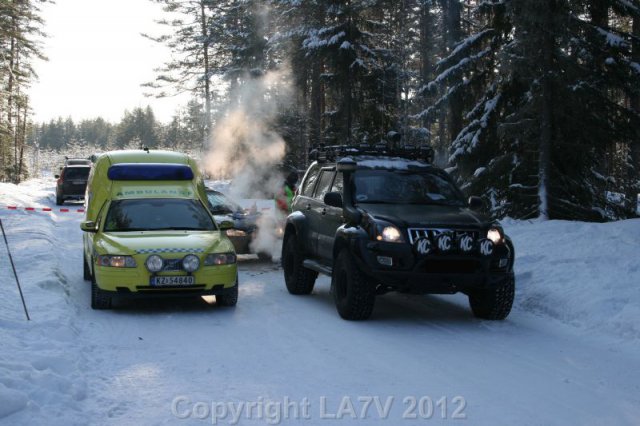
(493, 303)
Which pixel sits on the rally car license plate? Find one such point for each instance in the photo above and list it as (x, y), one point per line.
(171, 281)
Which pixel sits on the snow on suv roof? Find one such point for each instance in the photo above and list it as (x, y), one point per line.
(395, 163)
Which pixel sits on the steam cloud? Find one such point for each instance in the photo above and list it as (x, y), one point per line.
(244, 146)
(246, 149)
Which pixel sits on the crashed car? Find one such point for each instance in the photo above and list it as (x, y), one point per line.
(247, 225)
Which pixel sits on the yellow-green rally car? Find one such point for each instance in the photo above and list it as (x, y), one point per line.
(148, 232)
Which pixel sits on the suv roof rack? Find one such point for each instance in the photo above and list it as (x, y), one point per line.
(323, 154)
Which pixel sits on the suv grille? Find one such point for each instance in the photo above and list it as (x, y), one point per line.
(431, 233)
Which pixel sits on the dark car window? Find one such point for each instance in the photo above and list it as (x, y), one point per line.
(221, 204)
(76, 173)
(324, 183)
(402, 187)
(309, 183)
(154, 214)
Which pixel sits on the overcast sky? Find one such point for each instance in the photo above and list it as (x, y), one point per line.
(98, 59)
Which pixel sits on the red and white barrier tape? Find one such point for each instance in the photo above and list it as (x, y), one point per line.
(45, 209)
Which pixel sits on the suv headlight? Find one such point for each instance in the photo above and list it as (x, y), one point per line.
(216, 259)
(495, 235)
(387, 232)
(116, 261)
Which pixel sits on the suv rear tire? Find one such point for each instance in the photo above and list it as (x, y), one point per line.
(59, 200)
(493, 303)
(352, 292)
(299, 280)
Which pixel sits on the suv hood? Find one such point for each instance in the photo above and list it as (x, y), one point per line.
(425, 215)
(129, 243)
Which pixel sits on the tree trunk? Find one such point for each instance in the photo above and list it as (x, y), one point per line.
(207, 72)
(546, 119)
(453, 36)
(635, 105)
(426, 42)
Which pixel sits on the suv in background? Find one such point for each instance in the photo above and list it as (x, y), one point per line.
(72, 182)
(380, 220)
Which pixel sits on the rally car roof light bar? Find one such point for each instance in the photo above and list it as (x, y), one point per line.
(330, 153)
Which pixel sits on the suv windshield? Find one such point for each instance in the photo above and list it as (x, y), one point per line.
(405, 187)
(157, 214)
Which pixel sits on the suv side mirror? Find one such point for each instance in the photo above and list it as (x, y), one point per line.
(89, 226)
(476, 203)
(56, 176)
(333, 199)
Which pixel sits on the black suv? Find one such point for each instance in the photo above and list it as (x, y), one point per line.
(387, 220)
(72, 183)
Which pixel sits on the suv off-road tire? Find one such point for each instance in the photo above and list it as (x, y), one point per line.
(352, 292)
(493, 303)
(86, 269)
(99, 298)
(230, 298)
(59, 200)
(299, 280)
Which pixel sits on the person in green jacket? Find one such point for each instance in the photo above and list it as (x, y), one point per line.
(284, 197)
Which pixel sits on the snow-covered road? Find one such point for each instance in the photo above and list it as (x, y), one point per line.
(555, 360)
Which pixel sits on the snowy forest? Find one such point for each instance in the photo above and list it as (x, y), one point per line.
(533, 105)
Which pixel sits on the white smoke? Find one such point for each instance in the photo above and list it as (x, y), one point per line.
(246, 149)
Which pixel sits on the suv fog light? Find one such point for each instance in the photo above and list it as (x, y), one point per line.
(191, 263)
(385, 260)
(154, 263)
(486, 247)
(465, 244)
(444, 242)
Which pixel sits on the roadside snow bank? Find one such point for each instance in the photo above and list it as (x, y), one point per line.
(584, 274)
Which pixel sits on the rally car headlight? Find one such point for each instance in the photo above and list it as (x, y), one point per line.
(495, 235)
(116, 261)
(215, 259)
(154, 263)
(191, 263)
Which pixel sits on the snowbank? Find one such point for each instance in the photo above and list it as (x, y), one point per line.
(584, 274)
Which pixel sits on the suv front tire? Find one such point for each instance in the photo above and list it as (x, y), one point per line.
(493, 303)
(353, 294)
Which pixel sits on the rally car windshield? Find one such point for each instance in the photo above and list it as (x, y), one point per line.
(157, 215)
(405, 187)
